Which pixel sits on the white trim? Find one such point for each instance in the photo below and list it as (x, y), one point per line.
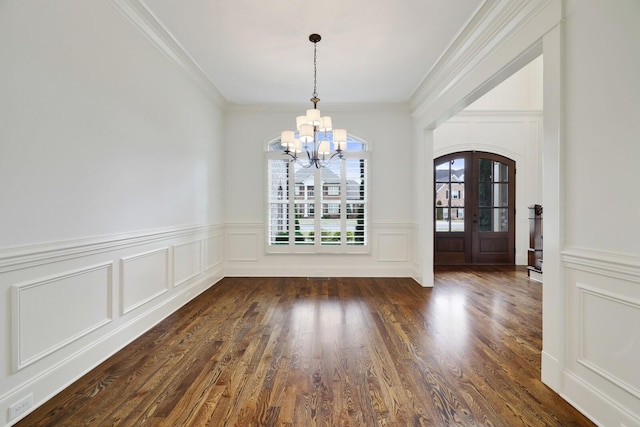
(200, 246)
(123, 262)
(582, 358)
(609, 264)
(34, 255)
(487, 31)
(17, 362)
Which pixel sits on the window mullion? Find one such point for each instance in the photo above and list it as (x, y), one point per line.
(317, 179)
(343, 203)
(292, 208)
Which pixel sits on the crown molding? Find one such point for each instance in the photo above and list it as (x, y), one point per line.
(494, 22)
(146, 23)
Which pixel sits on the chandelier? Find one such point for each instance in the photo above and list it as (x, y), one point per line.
(314, 133)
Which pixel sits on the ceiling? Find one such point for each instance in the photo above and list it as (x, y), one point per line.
(372, 51)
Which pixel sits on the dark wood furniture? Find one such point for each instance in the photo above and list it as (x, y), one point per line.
(535, 243)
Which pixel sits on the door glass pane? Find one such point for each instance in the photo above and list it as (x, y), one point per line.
(493, 220)
(457, 219)
(492, 194)
(485, 195)
(449, 192)
(442, 219)
(501, 195)
(491, 171)
(485, 170)
(457, 170)
(501, 172)
(442, 194)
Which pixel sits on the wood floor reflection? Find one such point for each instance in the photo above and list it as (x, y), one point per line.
(339, 352)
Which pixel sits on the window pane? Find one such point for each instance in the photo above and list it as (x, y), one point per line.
(501, 172)
(457, 194)
(330, 232)
(304, 223)
(442, 219)
(485, 170)
(457, 219)
(355, 179)
(442, 194)
(355, 224)
(457, 170)
(501, 195)
(442, 172)
(278, 179)
(493, 220)
(492, 171)
(490, 195)
(279, 224)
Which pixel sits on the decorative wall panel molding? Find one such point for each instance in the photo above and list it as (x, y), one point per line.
(35, 255)
(214, 251)
(187, 261)
(41, 320)
(393, 247)
(243, 246)
(604, 346)
(621, 266)
(144, 277)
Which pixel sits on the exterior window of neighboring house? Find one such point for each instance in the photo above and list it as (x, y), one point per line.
(455, 194)
(334, 219)
(333, 190)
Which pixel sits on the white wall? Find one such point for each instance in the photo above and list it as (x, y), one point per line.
(522, 91)
(601, 256)
(386, 129)
(111, 196)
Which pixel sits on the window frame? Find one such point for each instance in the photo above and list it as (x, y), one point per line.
(317, 246)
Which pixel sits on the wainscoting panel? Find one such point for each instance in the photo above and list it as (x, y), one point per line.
(601, 375)
(387, 255)
(144, 277)
(187, 261)
(611, 355)
(42, 320)
(213, 249)
(393, 247)
(243, 246)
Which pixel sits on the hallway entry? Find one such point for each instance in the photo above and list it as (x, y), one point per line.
(474, 209)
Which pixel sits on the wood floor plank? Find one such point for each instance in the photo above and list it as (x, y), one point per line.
(337, 352)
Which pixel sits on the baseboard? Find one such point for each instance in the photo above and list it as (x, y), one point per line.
(595, 405)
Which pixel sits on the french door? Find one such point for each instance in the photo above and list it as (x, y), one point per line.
(474, 209)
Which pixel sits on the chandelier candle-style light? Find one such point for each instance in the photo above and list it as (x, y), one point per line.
(314, 133)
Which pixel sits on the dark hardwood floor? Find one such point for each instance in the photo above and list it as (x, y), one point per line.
(338, 352)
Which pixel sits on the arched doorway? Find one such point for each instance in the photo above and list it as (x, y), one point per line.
(474, 217)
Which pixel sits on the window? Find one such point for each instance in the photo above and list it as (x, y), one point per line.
(333, 190)
(304, 220)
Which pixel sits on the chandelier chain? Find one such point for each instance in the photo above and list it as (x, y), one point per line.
(315, 70)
